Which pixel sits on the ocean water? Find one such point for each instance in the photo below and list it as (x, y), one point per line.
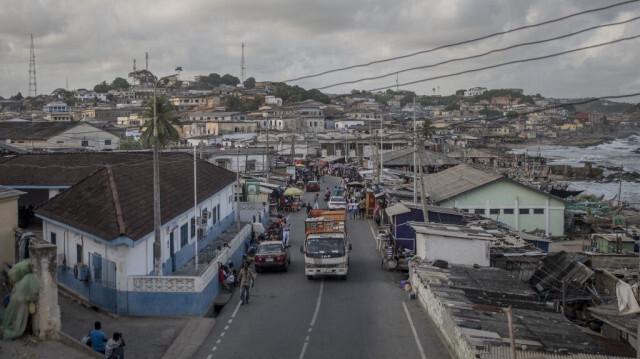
(622, 153)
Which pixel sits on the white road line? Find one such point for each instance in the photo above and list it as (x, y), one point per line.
(226, 327)
(304, 349)
(230, 320)
(213, 349)
(415, 333)
(313, 320)
(236, 310)
(315, 314)
(209, 356)
(218, 342)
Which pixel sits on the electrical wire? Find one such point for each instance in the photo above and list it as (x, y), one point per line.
(482, 54)
(503, 64)
(462, 42)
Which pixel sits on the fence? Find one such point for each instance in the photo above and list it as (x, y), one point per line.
(191, 284)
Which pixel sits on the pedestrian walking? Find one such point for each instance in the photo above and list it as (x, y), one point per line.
(285, 235)
(308, 208)
(246, 278)
(316, 205)
(115, 346)
(98, 338)
(362, 208)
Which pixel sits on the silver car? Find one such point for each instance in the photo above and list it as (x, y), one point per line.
(337, 202)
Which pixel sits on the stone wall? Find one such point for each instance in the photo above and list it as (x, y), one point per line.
(46, 321)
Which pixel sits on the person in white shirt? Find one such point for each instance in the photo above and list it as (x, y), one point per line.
(114, 348)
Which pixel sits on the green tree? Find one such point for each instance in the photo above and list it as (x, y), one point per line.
(64, 95)
(120, 84)
(452, 107)
(230, 80)
(111, 97)
(249, 83)
(460, 93)
(102, 87)
(426, 130)
(166, 121)
(16, 97)
(142, 77)
(233, 103)
(130, 145)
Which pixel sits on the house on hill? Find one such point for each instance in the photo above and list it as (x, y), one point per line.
(58, 135)
(497, 197)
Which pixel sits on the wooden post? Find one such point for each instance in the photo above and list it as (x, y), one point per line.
(512, 340)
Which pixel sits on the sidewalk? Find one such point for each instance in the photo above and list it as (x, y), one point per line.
(146, 337)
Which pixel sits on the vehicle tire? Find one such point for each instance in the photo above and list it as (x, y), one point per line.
(310, 277)
(343, 277)
(289, 260)
(258, 270)
(285, 268)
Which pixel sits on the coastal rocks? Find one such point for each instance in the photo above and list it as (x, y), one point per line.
(625, 176)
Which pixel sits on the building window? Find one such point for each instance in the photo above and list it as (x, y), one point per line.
(524, 211)
(465, 210)
(78, 253)
(218, 211)
(184, 235)
(107, 142)
(494, 211)
(52, 237)
(538, 211)
(479, 211)
(214, 214)
(85, 143)
(193, 227)
(507, 211)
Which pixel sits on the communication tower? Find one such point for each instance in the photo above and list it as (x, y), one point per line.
(146, 58)
(242, 67)
(33, 87)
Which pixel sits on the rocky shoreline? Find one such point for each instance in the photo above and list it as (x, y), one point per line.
(578, 140)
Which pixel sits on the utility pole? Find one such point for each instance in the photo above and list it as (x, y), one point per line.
(293, 148)
(423, 193)
(381, 150)
(415, 155)
(267, 154)
(195, 203)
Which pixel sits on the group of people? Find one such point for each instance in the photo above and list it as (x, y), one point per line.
(356, 209)
(112, 348)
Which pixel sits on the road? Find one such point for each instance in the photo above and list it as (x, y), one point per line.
(289, 316)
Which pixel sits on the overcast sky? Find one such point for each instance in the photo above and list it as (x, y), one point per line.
(92, 41)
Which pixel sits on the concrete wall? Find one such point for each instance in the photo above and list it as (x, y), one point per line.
(438, 312)
(46, 321)
(8, 222)
(453, 250)
(503, 195)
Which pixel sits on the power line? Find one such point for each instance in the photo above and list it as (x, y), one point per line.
(462, 42)
(479, 55)
(505, 63)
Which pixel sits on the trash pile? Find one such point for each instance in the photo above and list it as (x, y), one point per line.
(21, 300)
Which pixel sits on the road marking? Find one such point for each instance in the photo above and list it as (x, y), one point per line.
(209, 356)
(218, 342)
(226, 327)
(315, 314)
(415, 333)
(304, 349)
(313, 320)
(213, 349)
(230, 320)
(236, 310)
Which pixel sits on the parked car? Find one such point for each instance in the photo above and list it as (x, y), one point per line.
(272, 255)
(337, 202)
(313, 186)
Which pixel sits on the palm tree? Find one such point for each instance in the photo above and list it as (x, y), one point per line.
(166, 120)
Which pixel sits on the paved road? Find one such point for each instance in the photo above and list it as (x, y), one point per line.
(366, 316)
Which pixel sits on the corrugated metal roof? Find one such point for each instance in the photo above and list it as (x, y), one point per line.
(397, 209)
(456, 180)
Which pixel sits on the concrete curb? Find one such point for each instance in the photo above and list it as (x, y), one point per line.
(190, 338)
(66, 339)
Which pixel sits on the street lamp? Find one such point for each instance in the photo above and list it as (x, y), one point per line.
(157, 242)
